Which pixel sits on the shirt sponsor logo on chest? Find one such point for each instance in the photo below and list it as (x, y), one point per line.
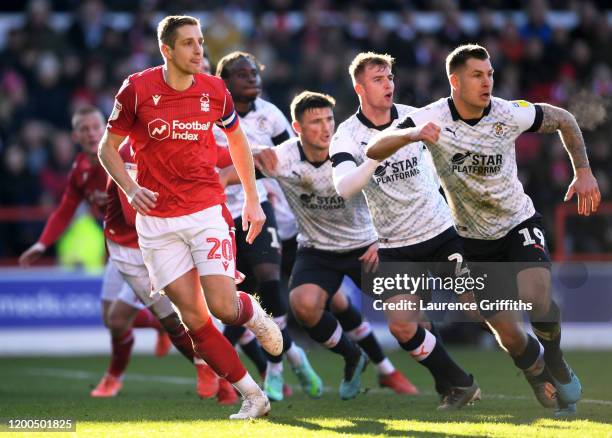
(392, 171)
(159, 129)
(478, 164)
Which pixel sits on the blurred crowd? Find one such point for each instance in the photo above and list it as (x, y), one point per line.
(49, 66)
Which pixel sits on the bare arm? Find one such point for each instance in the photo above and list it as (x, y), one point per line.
(584, 184)
(142, 199)
(390, 141)
(253, 216)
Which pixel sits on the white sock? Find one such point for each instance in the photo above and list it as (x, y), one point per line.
(385, 367)
(275, 367)
(294, 355)
(247, 386)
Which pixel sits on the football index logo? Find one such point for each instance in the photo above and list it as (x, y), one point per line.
(159, 129)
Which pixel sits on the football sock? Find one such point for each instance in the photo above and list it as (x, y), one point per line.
(549, 335)
(528, 360)
(120, 353)
(253, 351)
(329, 333)
(233, 333)
(424, 348)
(145, 319)
(361, 332)
(216, 350)
(293, 355)
(245, 309)
(181, 340)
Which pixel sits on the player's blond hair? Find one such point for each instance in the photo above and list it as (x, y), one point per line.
(83, 111)
(166, 29)
(364, 59)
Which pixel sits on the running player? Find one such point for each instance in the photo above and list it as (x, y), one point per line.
(335, 238)
(404, 183)
(124, 253)
(264, 125)
(87, 181)
(168, 112)
(471, 136)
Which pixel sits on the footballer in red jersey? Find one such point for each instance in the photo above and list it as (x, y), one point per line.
(87, 181)
(167, 112)
(124, 253)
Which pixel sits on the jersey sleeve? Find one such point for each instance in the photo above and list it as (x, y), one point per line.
(123, 116)
(281, 129)
(224, 159)
(62, 215)
(528, 116)
(229, 118)
(343, 149)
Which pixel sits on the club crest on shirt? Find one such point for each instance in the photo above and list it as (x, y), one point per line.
(205, 103)
(498, 129)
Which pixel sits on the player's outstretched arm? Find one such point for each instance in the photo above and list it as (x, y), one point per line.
(390, 141)
(584, 184)
(253, 216)
(350, 179)
(142, 199)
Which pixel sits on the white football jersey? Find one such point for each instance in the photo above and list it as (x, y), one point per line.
(325, 220)
(476, 163)
(403, 194)
(263, 125)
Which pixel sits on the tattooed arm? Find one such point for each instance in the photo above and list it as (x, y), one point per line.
(584, 183)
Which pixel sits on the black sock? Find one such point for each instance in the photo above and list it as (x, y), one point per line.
(549, 334)
(233, 333)
(360, 331)
(529, 356)
(254, 352)
(425, 349)
(271, 299)
(329, 333)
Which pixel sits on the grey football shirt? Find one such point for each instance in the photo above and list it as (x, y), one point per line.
(403, 194)
(476, 163)
(326, 221)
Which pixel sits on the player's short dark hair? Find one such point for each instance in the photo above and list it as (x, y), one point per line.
(225, 63)
(308, 100)
(363, 59)
(83, 111)
(166, 29)
(458, 57)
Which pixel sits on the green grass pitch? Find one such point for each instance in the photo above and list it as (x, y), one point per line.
(158, 399)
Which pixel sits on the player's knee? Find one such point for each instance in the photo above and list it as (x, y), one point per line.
(304, 307)
(117, 323)
(402, 331)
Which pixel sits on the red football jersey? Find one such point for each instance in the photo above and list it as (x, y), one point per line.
(171, 134)
(120, 217)
(87, 182)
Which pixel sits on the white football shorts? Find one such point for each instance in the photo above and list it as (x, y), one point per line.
(175, 245)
